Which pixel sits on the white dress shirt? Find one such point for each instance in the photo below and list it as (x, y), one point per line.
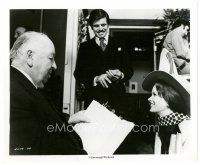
(97, 40)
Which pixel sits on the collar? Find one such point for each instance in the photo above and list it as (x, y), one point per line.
(171, 119)
(26, 75)
(178, 31)
(105, 41)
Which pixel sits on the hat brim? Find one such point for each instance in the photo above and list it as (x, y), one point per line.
(179, 84)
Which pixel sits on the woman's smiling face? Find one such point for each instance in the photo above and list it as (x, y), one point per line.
(157, 103)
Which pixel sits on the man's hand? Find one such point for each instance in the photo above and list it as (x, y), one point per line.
(78, 117)
(103, 80)
(114, 74)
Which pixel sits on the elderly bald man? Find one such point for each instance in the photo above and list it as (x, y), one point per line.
(35, 127)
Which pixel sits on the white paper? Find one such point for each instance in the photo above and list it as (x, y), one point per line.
(104, 133)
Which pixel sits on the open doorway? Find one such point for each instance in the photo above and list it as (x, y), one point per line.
(139, 45)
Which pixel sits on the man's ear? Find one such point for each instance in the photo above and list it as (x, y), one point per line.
(29, 57)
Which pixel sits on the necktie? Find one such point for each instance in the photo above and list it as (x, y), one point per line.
(102, 44)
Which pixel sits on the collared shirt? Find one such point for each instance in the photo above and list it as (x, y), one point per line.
(26, 75)
(176, 44)
(105, 41)
(98, 43)
(97, 40)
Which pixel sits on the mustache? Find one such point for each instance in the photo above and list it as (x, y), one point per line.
(99, 31)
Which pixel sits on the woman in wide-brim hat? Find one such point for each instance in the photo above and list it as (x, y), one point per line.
(170, 100)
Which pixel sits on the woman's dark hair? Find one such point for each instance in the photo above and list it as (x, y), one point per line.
(173, 98)
(96, 15)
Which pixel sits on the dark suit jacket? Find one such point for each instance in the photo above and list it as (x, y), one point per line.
(30, 117)
(92, 62)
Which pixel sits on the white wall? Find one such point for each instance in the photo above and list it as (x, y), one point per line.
(141, 70)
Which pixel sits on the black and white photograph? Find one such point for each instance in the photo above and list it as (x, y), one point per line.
(102, 83)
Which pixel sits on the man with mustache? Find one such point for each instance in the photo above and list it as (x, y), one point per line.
(102, 64)
(36, 128)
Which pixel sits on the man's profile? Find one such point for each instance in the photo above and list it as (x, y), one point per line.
(31, 116)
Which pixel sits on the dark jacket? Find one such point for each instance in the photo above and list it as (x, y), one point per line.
(92, 62)
(34, 124)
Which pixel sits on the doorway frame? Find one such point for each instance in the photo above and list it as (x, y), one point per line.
(70, 62)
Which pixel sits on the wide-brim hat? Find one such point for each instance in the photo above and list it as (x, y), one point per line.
(177, 82)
